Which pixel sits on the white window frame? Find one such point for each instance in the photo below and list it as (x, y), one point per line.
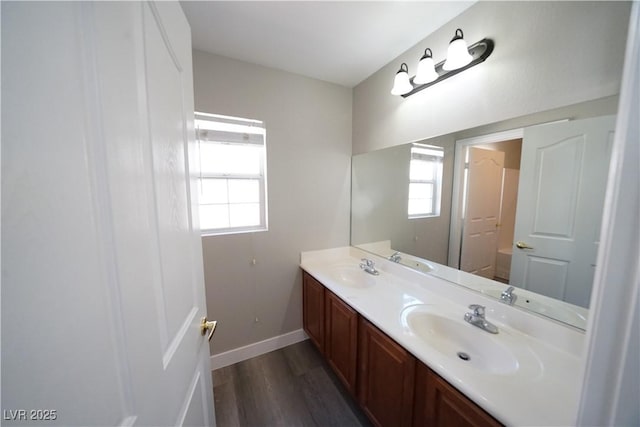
(220, 129)
(435, 155)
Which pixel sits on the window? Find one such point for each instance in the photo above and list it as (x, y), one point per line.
(232, 184)
(425, 181)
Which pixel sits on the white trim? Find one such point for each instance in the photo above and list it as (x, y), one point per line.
(455, 227)
(610, 387)
(220, 117)
(492, 137)
(256, 349)
(435, 158)
(234, 135)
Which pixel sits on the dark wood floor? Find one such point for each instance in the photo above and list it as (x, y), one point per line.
(292, 386)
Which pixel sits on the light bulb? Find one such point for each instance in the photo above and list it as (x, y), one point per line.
(426, 69)
(401, 84)
(458, 53)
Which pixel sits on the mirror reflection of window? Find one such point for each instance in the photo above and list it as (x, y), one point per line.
(425, 181)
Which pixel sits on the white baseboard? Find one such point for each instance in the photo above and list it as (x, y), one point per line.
(252, 350)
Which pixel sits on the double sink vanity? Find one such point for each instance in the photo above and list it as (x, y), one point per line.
(415, 349)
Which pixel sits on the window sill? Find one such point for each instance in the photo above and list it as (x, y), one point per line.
(212, 233)
(423, 216)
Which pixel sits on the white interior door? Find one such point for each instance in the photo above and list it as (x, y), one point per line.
(480, 225)
(102, 280)
(560, 201)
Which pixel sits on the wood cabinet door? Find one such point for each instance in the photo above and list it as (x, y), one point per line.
(313, 310)
(438, 404)
(341, 339)
(385, 378)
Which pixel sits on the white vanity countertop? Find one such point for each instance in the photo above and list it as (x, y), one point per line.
(544, 391)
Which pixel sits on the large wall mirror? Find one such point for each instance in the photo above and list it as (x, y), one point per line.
(512, 203)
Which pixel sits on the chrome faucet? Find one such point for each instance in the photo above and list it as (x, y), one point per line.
(507, 296)
(395, 257)
(476, 318)
(369, 266)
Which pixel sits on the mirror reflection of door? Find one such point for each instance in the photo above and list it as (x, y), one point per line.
(562, 187)
(490, 186)
(482, 209)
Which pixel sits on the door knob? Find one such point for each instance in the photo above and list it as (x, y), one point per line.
(209, 325)
(523, 245)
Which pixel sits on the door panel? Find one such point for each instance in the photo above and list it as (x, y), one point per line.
(179, 292)
(480, 227)
(168, 163)
(560, 202)
(58, 293)
(557, 177)
(193, 408)
(102, 274)
(547, 273)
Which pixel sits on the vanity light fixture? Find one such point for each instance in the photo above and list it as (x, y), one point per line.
(459, 58)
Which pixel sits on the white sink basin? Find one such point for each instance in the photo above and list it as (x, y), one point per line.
(351, 276)
(417, 265)
(465, 343)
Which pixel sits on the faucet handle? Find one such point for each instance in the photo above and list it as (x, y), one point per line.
(478, 310)
(508, 291)
(368, 262)
(507, 296)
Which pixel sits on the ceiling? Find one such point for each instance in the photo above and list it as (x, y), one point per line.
(342, 42)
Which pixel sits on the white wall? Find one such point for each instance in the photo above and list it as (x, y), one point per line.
(547, 55)
(308, 159)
